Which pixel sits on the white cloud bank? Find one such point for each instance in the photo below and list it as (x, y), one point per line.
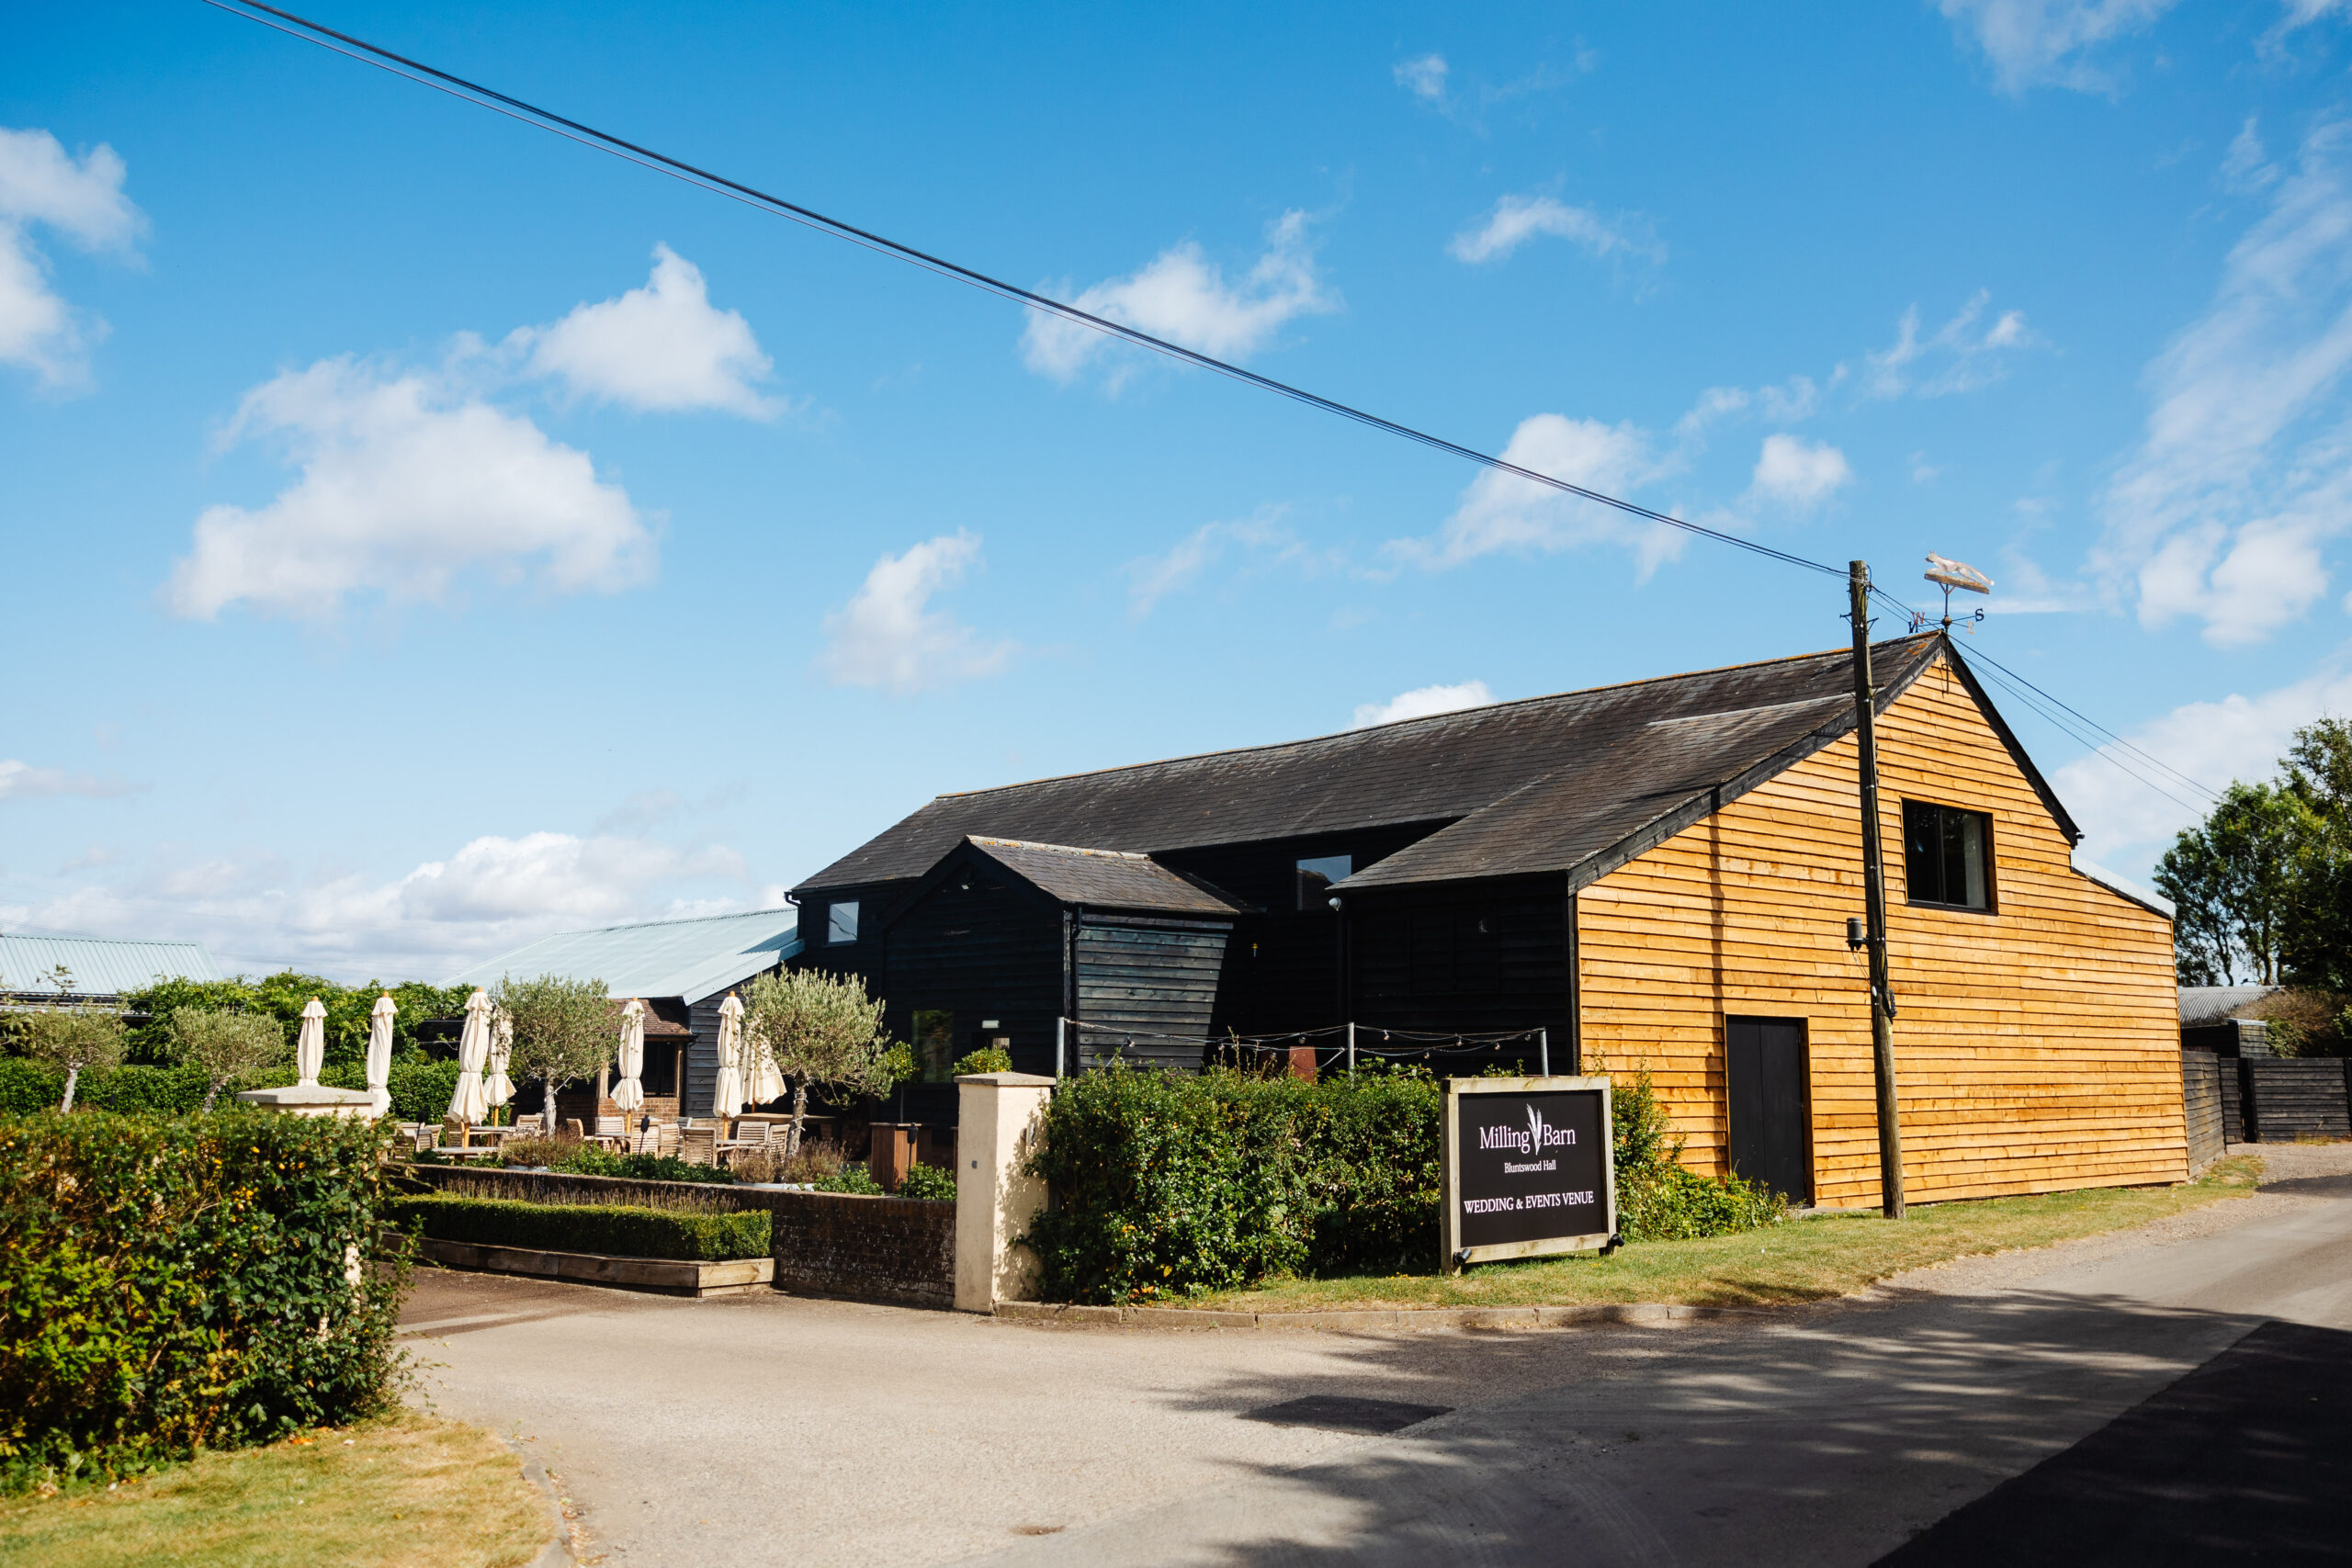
(1519, 218)
(22, 780)
(661, 347)
(2125, 822)
(1421, 702)
(493, 894)
(888, 637)
(1798, 474)
(406, 481)
(1183, 297)
(411, 477)
(2048, 43)
(2244, 472)
(1501, 512)
(80, 198)
(1424, 78)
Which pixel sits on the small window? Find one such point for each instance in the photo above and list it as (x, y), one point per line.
(934, 1045)
(1948, 855)
(1315, 876)
(841, 923)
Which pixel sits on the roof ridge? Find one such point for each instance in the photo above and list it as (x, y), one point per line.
(118, 941)
(672, 921)
(1427, 718)
(1058, 848)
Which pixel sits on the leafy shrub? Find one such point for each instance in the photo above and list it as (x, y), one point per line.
(281, 997)
(1170, 1183)
(172, 1284)
(620, 1230)
(986, 1059)
(929, 1183)
(812, 1162)
(849, 1178)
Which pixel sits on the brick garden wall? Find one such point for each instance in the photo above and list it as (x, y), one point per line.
(831, 1244)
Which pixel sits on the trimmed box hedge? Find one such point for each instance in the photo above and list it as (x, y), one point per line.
(420, 1090)
(613, 1230)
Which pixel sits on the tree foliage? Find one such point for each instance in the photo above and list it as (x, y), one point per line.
(281, 997)
(826, 1034)
(2262, 888)
(225, 1046)
(73, 1038)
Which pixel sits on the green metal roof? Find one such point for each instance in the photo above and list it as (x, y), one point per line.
(102, 966)
(691, 958)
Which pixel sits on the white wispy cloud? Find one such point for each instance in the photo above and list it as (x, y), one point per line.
(406, 479)
(1421, 702)
(1424, 78)
(662, 347)
(1795, 473)
(1519, 218)
(1794, 400)
(22, 780)
(888, 637)
(1184, 297)
(1263, 540)
(1964, 354)
(1501, 512)
(493, 894)
(2244, 472)
(2050, 43)
(83, 200)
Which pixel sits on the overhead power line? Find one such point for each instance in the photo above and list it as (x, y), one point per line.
(661, 162)
(530, 114)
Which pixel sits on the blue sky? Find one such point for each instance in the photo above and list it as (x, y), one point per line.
(423, 533)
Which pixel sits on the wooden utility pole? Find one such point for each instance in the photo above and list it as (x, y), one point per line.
(1890, 1131)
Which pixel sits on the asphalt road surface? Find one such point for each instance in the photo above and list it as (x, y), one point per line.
(2181, 1393)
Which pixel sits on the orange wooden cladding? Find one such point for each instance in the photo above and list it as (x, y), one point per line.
(2037, 1046)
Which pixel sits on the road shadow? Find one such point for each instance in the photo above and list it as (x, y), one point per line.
(1817, 1436)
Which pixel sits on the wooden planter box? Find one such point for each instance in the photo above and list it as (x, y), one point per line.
(667, 1276)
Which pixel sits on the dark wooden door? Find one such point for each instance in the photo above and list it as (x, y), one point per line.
(1765, 1065)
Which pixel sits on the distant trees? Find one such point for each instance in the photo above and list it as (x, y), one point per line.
(2262, 888)
(71, 1035)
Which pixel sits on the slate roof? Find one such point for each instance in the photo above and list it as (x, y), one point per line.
(1541, 785)
(691, 959)
(1107, 879)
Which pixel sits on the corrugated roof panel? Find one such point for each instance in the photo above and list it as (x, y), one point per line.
(101, 966)
(689, 958)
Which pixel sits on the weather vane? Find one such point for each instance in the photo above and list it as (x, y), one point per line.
(1947, 575)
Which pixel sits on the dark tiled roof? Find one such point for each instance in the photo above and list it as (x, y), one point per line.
(1109, 879)
(1540, 785)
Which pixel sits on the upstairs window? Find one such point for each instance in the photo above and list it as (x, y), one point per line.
(1315, 876)
(841, 922)
(1947, 855)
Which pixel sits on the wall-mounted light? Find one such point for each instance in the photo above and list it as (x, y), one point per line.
(1858, 936)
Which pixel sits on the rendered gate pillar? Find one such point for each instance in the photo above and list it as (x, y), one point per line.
(998, 1119)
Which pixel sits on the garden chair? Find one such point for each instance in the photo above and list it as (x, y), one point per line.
(698, 1145)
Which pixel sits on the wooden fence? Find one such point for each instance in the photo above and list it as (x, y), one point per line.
(2287, 1099)
(2201, 1077)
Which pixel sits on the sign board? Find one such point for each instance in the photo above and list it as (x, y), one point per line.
(1527, 1168)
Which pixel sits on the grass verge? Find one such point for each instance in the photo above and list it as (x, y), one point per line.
(404, 1492)
(1797, 1261)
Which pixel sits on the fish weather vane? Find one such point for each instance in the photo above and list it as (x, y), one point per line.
(1949, 574)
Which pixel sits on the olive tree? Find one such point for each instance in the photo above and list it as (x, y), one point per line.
(76, 1036)
(826, 1033)
(226, 1044)
(563, 1031)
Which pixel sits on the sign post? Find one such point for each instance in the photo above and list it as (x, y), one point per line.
(1526, 1170)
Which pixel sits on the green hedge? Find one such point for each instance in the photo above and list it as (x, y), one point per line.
(420, 1090)
(1173, 1183)
(614, 1229)
(166, 1285)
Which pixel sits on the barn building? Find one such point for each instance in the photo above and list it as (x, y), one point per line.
(1657, 874)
